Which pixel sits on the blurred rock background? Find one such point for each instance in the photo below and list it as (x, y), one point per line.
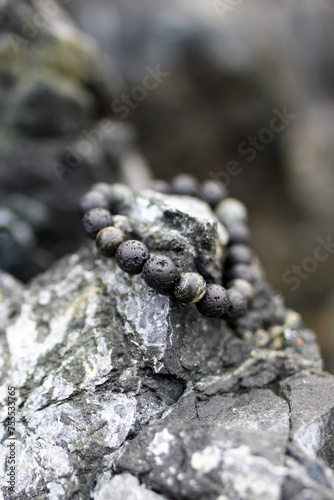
(245, 94)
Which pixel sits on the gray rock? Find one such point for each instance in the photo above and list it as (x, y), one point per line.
(125, 393)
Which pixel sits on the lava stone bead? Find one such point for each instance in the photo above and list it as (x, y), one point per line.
(215, 301)
(108, 240)
(96, 219)
(131, 256)
(244, 287)
(185, 184)
(213, 192)
(190, 288)
(160, 273)
(239, 233)
(93, 199)
(161, 186)
(230, 211)
(237, 305)
(241, 271)
(239, 254)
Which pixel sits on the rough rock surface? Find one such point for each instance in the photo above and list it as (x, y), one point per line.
(57, 131)
(124, 393)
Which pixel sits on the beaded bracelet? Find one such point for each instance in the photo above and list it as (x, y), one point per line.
(229, 302)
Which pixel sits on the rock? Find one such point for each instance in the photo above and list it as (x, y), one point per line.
(219, 102)
(57, 130)
(122, 391)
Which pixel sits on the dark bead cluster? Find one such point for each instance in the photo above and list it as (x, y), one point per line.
(230, 301)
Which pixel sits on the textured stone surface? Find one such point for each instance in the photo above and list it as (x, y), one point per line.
(122, 391)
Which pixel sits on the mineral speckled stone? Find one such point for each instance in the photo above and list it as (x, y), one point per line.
(96, 219)
(160, 273)
(123, 392)
(190, 288)
(215, 301)
(108, 240)
(131, 256)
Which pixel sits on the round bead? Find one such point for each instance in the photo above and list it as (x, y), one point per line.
(131, 256)
(241, 271)
(105, 189)
(237, 305)
(161, 186)
(244, 287)
(185, 184)
(239, 233)
(160, 273)
(108, 240)
(230, 211)
(213, 192)
(215, 301)
(119, 194)
(93, 199)
(96, 219)
(190, 288)
(239, 254)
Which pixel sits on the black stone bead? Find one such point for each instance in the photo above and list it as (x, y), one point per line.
(239, 233)
(244, 287)
(131, 256)
(185, 184)
(160, 273)
(96, 219)
(237, 305)
(161, 186)
(190, 288)
(239, 254)
(215, 301)
(120, 195)
(93, 199)
(213, 192)
(108, 240)
(106, 190)
(241, 271)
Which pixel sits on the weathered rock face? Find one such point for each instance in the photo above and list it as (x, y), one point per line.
(122, 391)
(57, 132)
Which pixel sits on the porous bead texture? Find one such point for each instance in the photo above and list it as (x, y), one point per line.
(215, 301)
(237, 305)
(108, 240)
(190, 288)
(93, 199)
(131, 256)
(96, 219)
(161, 273)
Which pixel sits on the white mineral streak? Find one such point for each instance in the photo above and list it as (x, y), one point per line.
(161, 445)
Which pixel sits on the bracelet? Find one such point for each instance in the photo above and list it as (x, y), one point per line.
(229, 302)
